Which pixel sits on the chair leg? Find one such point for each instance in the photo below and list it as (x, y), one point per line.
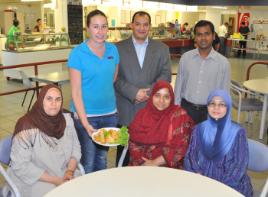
(31, 100)
(238, 116)
(247, 117)
(251, 117)
(24, 98)
(267, 135)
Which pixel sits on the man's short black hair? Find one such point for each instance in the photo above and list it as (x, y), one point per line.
(141, 13)
(16, 23)
(203, 23)
(39, 19)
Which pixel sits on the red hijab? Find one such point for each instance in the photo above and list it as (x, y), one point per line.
(52, 126)
(150, 126)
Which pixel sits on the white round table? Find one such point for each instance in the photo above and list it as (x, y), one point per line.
(260, 86)
(143, 182)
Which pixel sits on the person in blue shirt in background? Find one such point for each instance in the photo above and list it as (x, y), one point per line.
(93, 67)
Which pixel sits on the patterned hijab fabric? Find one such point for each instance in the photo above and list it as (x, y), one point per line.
(52, 126)
(218, 135)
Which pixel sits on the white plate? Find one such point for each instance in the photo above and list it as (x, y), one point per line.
(106, 128)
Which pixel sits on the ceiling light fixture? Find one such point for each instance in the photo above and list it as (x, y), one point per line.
(219, 7)
(30, 0)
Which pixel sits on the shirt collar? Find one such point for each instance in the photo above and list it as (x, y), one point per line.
(212, 54)
(86, 48)
(136, 43)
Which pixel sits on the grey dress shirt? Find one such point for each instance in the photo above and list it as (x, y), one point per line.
(198, 76)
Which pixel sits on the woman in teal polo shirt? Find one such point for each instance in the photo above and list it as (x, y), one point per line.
(93, 67)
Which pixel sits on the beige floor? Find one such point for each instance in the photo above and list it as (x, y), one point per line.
(11, 110)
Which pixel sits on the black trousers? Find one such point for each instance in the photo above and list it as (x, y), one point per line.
(119, 153)
(197, 112)
(222, 46)
(242, 45)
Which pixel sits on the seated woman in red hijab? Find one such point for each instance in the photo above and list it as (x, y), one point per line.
(160, 132)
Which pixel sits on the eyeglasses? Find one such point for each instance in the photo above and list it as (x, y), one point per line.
(214, 105)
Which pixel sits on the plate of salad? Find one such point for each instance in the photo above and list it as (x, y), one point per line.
(111, 136)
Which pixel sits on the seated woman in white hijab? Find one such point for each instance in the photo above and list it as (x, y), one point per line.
(45, 148)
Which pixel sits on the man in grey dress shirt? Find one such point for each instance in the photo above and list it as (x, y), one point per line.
(143, 61)
(201, 71)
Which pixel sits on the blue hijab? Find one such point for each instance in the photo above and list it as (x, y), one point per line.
(217, 136)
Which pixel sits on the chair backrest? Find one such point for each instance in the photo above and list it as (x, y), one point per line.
(5, 149)
(11, 186)
(122, 157)
(25, 80)
(236, 83)
(265, 189)
(258, 156)
(236, 88)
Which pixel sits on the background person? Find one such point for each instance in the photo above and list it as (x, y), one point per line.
(218, 147)
(185, 28)
(216, 44)
(244, 31)
(45, 148)
(12, 35)
(160, 132)
(93, 70)
(38, 27)
(143, 61)
(201, 71)
(223, 33)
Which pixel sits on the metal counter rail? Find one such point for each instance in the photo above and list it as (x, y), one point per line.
(35, 65)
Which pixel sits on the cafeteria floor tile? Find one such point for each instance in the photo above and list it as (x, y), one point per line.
(11, 110)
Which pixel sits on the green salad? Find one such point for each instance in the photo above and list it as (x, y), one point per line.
(123, 136)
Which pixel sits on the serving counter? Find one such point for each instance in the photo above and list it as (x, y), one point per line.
(176, 43)
(178, 46)
(254, 47)
(3, 39)
(29, 56)
(31, 48)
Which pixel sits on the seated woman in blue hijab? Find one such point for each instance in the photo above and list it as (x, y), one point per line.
(218, 147)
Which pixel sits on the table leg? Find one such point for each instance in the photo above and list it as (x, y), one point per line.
(37, 88)
(263, 115)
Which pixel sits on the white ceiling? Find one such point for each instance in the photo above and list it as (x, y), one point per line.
(19, 1)
(200, 7)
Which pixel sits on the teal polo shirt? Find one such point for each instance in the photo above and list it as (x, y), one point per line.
(97, 78)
